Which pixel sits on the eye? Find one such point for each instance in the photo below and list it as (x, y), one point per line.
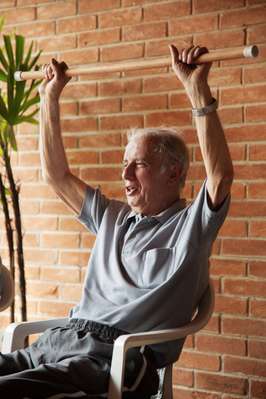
(141, 164)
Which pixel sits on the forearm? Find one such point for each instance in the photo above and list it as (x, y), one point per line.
(53, 158)
(213, 145)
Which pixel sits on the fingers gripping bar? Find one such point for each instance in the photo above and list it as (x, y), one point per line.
(219, 55)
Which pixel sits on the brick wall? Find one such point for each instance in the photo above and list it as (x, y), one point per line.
(227, 359)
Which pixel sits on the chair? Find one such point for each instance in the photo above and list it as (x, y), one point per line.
(6, 287)
(16, 333)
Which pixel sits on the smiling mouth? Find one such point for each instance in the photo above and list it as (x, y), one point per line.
(131, 190)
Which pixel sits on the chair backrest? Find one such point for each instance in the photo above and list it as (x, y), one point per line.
(6, 287)
(202, 316)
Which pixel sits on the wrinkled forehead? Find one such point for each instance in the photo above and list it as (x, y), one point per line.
(140, 147)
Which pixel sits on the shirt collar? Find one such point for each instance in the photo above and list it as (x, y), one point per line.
(164, 215)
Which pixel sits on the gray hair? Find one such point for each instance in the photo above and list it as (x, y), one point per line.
(168, 143)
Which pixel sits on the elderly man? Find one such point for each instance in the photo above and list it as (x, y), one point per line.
(149, 265)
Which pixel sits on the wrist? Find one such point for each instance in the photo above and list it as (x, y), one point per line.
(200, 96)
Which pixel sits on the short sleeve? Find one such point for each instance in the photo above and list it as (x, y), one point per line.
(93, 208)
(208, 220)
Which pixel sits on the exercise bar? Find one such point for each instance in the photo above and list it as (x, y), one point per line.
(219, 55)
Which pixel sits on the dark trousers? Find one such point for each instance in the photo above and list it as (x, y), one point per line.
(73, 361)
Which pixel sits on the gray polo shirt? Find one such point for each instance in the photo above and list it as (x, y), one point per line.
(147, 273)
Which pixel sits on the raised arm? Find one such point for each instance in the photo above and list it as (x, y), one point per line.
(213, 145)
(55, 169)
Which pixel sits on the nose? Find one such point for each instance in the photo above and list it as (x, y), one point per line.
(128, 172)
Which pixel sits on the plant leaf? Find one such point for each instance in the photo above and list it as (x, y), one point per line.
(28, 104)
(9, 51)
(28, 56)
(35, 59)
(3, 60)
(3, 109)
(2, 21)
(20, 42)
(12, 139)
(3, 75)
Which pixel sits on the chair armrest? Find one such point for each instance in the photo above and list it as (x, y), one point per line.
(124, 342)
(15, 333)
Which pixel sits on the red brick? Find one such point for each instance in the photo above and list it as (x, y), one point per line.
(242, 18)
(257, 269)
(54, 208)
(86, 6)
(229, 305)
(257, 152)
(258, 308)
(177, 118)
(190, 359)
(144, 31)
(244, 326)
(160, 47)
(254, 74)
(70, 292)
(100, 106)
(79, 90)
(36, 29)
(68, 109)
(247, 209)
(220, 344)
(227, 267)
(257, 349)
(118, 18)
(121, 122)
(18, 15)
(238, 191)
(233, 228)
(179, 392)
(250, 171)
(221, 39)
(182, 377)
(201, 6)
(257, 34)
(244, 365)
(60, 274)
(59, 240)
(29, 159)
(39, 256)
(76, 24)
(120, 87)
(161, 83)
(56, 309)
(99, 37)
(244, 247)
(225, 76)
(57, 10)
(79, 57)
(256, 113)
(40, 223)
(122, 52)
(243, 95)
(258, 389)
(87, 240)
(79, 124)
(101, 174)
(73, 258)
(143, 103)
(54, 43)
(112, 156)
(222, 383)
(38, 289)
(79, 157)
(256, 190)
(100, 140)
(168, 10)
(193, 24)
(257, 229)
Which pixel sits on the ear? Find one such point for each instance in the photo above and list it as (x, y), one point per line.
(174, 173)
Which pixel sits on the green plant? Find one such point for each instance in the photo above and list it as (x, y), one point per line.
(16, 102)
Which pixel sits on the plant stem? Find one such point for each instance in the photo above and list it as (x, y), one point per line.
(10, 240)
(20, 256)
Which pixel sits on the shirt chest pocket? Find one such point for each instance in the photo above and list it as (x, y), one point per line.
(158, 266)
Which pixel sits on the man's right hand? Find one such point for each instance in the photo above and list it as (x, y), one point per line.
(55, 79)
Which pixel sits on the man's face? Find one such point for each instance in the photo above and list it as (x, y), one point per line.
(147, 183)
